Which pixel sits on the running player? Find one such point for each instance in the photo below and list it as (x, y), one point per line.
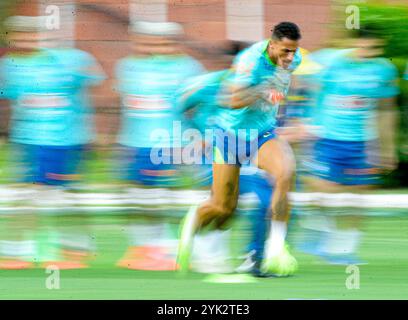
(147, 81)
(249, 96)
(211, 249)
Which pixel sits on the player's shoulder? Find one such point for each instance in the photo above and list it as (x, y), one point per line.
(251, 54)
(15, 60)
(249, 58)
(69, 53)
(71, 56)
(256, 50)
(385, 64)
(386, 69)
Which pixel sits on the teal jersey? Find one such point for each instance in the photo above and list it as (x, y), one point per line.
(81, 65)
(46, 92)
(199, 93)
(348, 97)
(250, 68)
(148, 88)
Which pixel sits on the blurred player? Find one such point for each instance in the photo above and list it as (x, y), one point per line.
(49, 127)
(249, 96)
(147, 81)
(354, 85)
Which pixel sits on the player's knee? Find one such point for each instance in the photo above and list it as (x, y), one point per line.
(285, 176)
(211, 210)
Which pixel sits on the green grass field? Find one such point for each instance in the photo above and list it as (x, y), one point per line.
(385, 277)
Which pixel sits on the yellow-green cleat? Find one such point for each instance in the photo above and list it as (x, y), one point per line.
(281, 265)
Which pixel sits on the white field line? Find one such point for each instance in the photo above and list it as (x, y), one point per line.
(166, 197)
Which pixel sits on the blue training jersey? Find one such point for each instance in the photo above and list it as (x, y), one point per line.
(148, 86)
(48, 97)
(250, 68)
(348, 96)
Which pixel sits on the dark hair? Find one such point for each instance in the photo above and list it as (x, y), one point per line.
(286, 30)
(233, 47)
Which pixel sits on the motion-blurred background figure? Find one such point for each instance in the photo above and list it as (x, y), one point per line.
(354, 85)
(150, 132)
(49, 126)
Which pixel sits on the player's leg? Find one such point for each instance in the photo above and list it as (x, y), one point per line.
(259, 219)
(343, 168)
(276, 158)
(224, 196)
(17, 234)
(67, 241)
(211, 247)
(218, 209)
(151, 245)
(335, 231)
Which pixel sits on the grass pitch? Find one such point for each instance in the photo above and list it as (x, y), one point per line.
(384, 277)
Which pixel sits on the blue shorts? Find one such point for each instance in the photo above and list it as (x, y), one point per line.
(344, 162)
(50, 165)
(230, 149)
(138, 167)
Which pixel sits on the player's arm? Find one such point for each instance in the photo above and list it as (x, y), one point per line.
(188, 93)
(240, 88)
(388, 117)
(237, 97)
(188, 97)
(388, 125)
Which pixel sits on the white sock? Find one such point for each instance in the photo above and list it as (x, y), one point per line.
(202, 246)
(214, 243)
(342, 241)
(276, 239)
(220, 243)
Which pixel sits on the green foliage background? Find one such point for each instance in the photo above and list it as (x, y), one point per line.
(392, 23)
(6, 8)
